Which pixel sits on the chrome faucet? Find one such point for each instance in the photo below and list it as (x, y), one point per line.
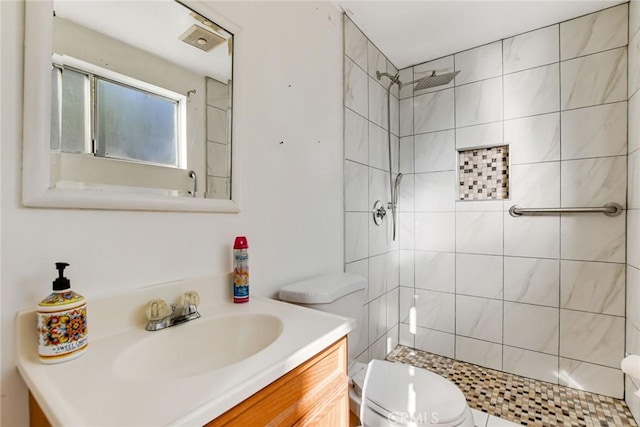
(161, 316)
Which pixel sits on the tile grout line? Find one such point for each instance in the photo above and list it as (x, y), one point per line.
(560, 204)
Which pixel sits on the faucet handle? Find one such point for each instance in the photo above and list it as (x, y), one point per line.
(191, 298)
(157, 309)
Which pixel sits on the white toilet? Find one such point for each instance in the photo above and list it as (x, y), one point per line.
(395, 394)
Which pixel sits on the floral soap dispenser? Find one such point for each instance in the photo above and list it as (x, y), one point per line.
(62, 322)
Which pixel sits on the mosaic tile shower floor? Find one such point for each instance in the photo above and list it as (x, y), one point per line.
(521, 400)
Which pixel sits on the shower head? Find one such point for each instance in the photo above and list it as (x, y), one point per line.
(434, 80)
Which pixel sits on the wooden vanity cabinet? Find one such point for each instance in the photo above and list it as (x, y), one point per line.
(316, 393)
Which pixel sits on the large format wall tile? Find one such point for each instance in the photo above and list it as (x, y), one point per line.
(634, 17)
(406, 193)
(378, 147)
(479, 63)
(405, 338)
(532, 280)
(378, 186)
(589, 377)
(406, 75)
(595, 79)
(535, 185)
(593, 286)
(633, 301)
(435, 151)
(593, 237)
(356, 137)
(375, 61)
(479, 102)
(435, 231)
(436, 342)
(595, 131)
(377, 319)
(479, 275)
(489, 134)
(531, 327)
(393, 308)
(433, 111)
(531, 92)
(479, 318)
(479, 232)
(435, 271)
(355, 44)
(395, 115)
(407, 270)
(479, 352)
(633, 132)
(594, 182)
(533, 139)
(356, 236)
(356, 190)
(356, 89)
(633, 180)
(406, 230)
(531, 364)
(532, 49)
(634, 64)
(407, 300)
(593, 33)
(531, 236)
(435, 310)
(435, 191)
(377, 104)
(380, 238)
(383, 274)
(406, 117)
(406, 155)
(594, 338)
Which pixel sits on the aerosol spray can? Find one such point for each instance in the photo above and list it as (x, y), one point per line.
(240, 270)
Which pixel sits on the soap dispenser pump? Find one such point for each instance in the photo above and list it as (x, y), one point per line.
(62, 322)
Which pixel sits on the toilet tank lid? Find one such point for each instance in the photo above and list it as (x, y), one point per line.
(322, 289)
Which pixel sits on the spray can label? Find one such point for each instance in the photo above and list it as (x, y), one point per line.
(241, 276)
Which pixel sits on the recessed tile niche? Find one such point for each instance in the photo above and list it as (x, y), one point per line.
(484, 173)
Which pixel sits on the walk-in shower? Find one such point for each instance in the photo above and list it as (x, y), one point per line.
(429, 81)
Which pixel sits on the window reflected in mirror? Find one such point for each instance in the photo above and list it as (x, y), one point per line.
(140, 100)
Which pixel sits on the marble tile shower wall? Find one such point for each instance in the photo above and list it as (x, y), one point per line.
(538, 296)
(633, 214)
(369, 249)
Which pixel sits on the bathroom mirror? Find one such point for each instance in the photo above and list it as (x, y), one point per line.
(128, 105)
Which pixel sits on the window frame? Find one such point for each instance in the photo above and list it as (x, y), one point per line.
(94, 72)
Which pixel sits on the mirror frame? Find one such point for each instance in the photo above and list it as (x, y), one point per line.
(36, 167)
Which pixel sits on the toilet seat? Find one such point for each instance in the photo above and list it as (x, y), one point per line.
(404, 394)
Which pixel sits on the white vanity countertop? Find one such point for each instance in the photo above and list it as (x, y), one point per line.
(92, 391)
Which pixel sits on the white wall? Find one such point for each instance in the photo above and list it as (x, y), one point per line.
(289, 77)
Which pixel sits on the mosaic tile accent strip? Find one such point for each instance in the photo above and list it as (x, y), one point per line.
(484, 173)
(518, 399)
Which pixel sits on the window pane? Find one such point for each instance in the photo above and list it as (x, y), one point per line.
(56, 75)
(135, 125)
(74, 115)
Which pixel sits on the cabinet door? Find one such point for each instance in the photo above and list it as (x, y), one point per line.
(315, 393)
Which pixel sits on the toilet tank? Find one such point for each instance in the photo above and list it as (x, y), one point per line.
(342, 294)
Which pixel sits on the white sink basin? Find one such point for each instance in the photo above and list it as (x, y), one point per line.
(198, 346)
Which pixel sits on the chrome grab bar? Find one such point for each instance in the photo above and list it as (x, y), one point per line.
(610, 209)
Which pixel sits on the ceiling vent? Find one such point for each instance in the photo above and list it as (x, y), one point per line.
(201, 38)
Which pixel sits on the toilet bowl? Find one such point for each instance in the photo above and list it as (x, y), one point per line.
(382, 393)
